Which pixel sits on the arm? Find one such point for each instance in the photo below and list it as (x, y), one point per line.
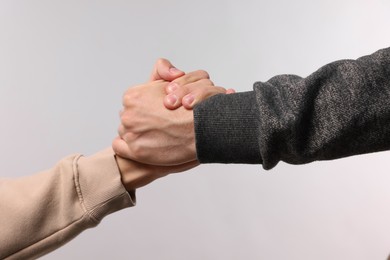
(42, 212)
(39, 213)
(150, 133)
(340, 110)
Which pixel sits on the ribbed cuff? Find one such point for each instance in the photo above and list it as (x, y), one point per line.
(100, 186)
(226, 129)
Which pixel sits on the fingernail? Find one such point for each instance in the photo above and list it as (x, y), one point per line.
(172, 87)
(189, 99)
(172, 98)
(174, 70)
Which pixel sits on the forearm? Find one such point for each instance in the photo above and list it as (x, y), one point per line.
(42, 212)
(340, 110)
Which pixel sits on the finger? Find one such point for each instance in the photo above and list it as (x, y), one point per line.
(174, 99)
(121, 148)
(187, 79)
(200, 94)
(164, 70)
(230, 91)
(171, 101)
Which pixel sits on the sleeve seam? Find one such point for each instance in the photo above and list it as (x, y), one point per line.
(78, 189)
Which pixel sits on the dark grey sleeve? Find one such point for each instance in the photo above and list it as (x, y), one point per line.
(342, 109)
(226, 130)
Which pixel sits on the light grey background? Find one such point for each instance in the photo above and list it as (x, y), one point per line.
(65, 64)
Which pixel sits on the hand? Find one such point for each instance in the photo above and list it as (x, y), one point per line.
(150, 133)
(188, 95)
(187, 90)
(135, 175)
(164, 70)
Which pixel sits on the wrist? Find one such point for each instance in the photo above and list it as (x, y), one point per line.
(135, 175)
(226, 129)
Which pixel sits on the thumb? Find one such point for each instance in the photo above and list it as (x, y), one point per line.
(164, 70)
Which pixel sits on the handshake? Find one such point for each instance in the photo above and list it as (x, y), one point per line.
(340, 110)
(156, 134)
(156, 138)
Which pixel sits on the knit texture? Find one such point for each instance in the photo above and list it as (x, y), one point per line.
(226, 131)
(342, 109)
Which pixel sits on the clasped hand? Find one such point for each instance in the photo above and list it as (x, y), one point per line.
(157, 126)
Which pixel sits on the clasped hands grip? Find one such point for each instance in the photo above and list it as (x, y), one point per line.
(157, 125)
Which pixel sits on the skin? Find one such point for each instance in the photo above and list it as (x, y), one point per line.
(134, 174)
(181, 93)
(150, 133)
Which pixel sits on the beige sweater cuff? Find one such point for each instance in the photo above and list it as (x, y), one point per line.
(99, 186)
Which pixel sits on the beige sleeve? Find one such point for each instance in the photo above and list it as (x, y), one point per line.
(40, 213)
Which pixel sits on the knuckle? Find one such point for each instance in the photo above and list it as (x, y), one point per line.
(116, 145)
(203, 74)
(161, 61)
(182, 80)
(126, 120)
(130, 97)
(127, 99)
(184, 90)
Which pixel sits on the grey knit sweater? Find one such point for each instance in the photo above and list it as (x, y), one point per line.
(342, 109)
